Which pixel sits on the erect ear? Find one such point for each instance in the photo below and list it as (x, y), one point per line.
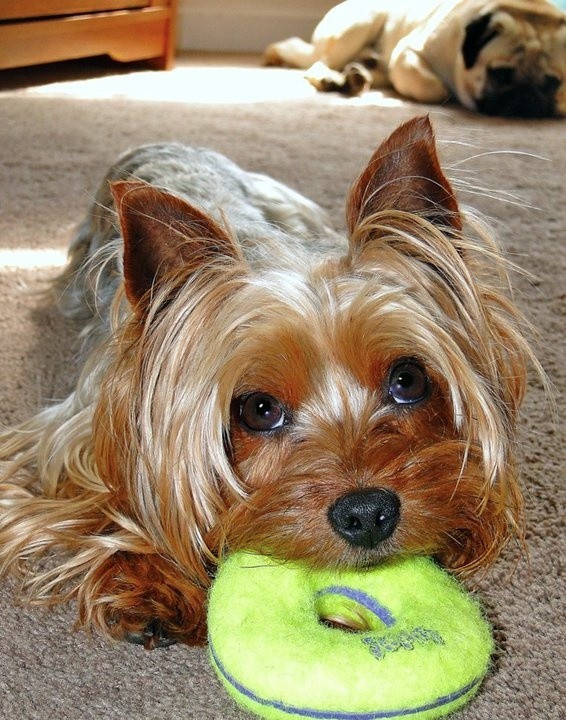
(404, 174)
(163, 233)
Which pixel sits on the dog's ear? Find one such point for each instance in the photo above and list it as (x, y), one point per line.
(477, 34)
(404, 174)
(162, 235)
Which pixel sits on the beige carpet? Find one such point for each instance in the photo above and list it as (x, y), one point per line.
(59, 131)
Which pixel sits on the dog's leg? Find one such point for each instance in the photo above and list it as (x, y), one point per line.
(366, 71)
(337, 39)
(292, 52)
(413, 78)
(373, 63)
(144, 599)
(354, 80)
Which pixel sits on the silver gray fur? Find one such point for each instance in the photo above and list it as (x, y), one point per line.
(262, 213)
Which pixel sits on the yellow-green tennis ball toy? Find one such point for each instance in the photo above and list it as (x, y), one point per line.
(402, 640)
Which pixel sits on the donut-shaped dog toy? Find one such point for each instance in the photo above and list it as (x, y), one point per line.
(402, 640)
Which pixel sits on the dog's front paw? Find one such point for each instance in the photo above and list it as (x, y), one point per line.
(324, 79)
(357, 79)
(153, 636)
(271, 57)
(137, 625)
(145, 600)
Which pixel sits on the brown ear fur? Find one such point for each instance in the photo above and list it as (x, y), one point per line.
(162, 233)
(404, 174)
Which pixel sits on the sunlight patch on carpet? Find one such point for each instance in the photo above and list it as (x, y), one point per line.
(217, 85)
(28, 258)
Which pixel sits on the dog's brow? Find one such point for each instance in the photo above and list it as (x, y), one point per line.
(339, 396)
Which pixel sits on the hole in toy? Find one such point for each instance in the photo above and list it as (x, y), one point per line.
(343, 622)
(344, 613)
(350, 611)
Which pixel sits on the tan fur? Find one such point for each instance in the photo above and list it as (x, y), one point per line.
(125, 495)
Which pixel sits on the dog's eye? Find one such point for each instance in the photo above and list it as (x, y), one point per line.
(261, 412)
(408, 383)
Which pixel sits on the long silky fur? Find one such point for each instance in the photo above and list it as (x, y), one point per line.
(138, 460)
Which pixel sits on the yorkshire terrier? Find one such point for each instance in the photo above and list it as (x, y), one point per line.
(254, 379)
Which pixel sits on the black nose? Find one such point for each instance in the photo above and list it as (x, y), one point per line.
(364, 518)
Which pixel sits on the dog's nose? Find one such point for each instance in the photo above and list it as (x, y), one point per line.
(364, 518)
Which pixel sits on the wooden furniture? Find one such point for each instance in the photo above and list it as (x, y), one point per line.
(41, 31)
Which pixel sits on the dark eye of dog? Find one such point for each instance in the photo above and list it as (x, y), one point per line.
(408, 383)
(261, 412)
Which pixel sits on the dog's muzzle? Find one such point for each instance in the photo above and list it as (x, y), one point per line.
(505, 97)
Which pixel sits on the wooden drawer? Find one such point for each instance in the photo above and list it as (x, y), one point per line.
(21, 9)
(127, 30)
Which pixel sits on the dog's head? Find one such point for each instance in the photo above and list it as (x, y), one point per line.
(336, 410)
(515, 61)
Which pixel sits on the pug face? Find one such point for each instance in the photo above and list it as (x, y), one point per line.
(515, 64)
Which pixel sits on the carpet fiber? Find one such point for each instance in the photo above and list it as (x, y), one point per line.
(61, 127)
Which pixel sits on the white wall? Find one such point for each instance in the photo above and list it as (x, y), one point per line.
(245, 25)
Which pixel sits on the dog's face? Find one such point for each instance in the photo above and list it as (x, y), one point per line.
(337, 411)
(515, 64)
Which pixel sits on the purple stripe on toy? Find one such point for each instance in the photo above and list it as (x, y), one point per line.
(362, 598)
(337, 714)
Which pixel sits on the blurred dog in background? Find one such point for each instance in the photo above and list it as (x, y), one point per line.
(500, 57)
